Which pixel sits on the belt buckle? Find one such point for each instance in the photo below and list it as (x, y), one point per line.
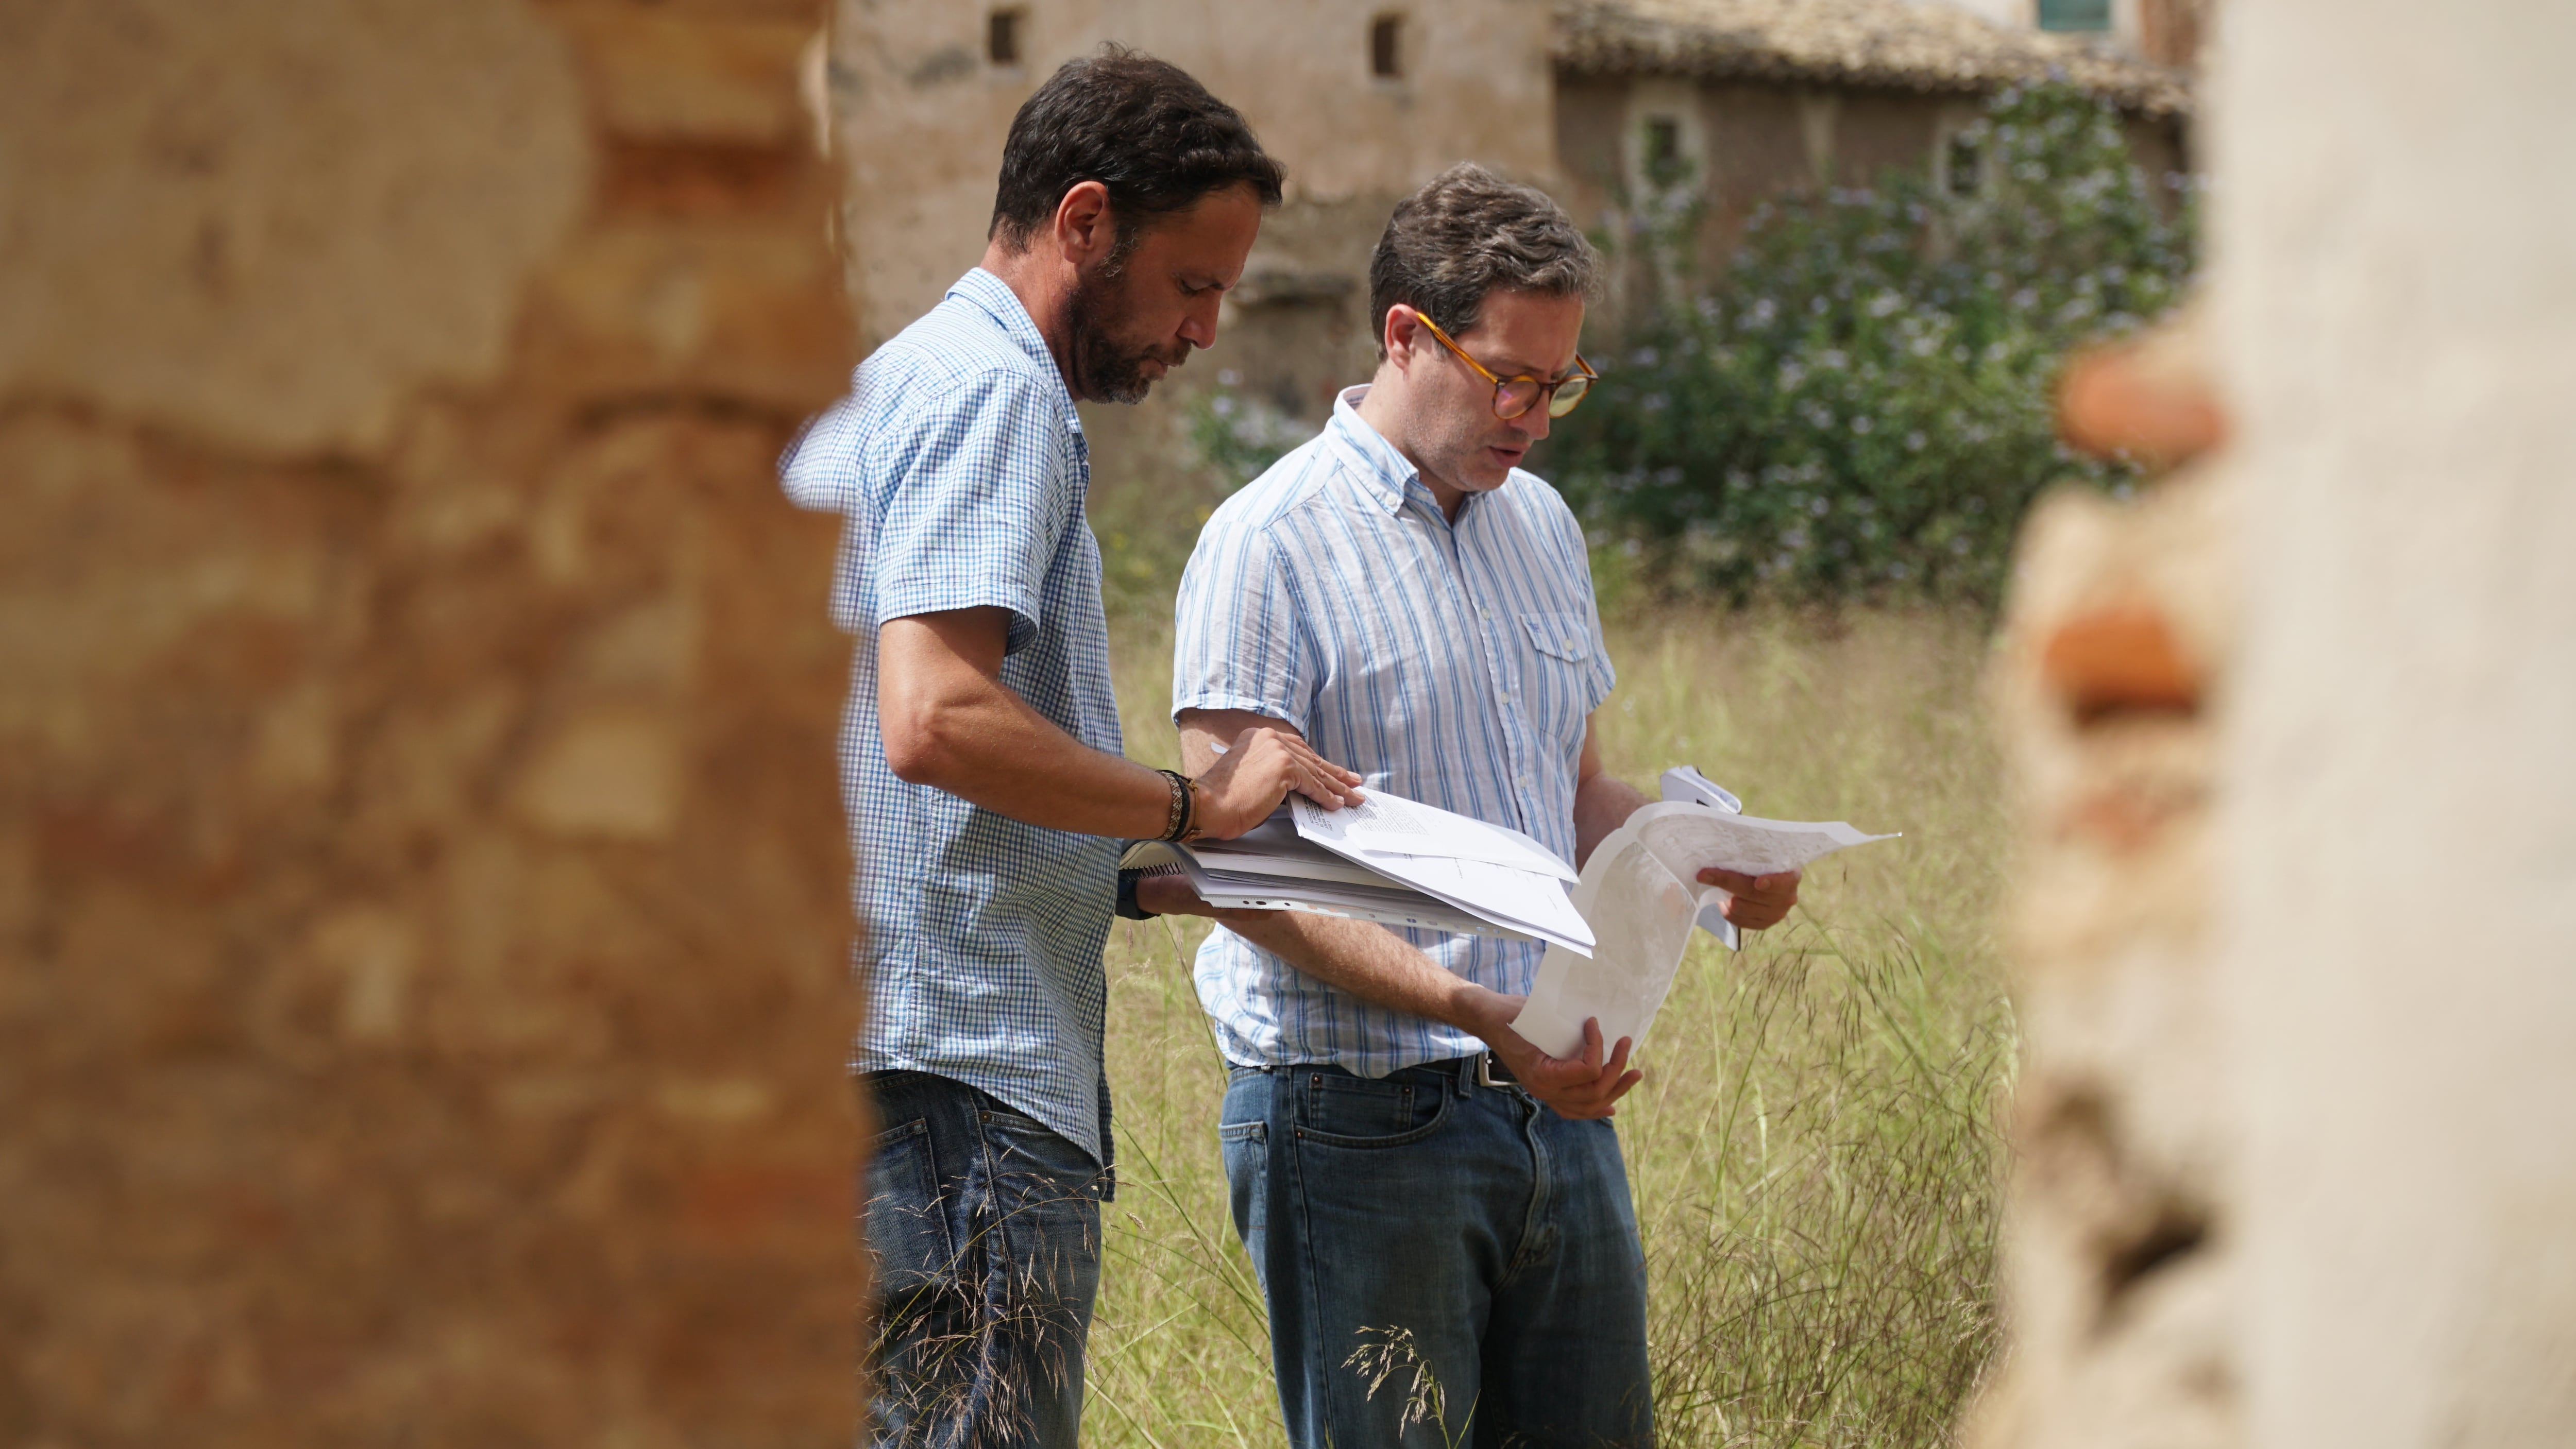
(1485, 1072)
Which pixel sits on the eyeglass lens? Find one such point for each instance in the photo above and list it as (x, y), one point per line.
(1520, 394)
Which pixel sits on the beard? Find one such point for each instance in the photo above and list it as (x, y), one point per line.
(1106, 368)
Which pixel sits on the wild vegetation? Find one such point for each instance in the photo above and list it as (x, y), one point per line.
(1858, 405)
(1814, 1152)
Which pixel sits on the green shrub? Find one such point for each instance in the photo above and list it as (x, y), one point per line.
(1239, 436)
(1860, 407)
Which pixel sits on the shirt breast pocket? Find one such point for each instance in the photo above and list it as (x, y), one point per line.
(1557, 677)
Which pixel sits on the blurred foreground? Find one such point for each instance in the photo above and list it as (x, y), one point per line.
(422, 910)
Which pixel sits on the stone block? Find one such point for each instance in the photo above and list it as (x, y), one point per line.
(423, 897)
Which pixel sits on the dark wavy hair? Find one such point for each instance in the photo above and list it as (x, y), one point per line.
(1141, 127)
(1466, 233)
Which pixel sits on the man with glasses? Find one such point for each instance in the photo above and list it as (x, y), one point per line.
(1415, 1182)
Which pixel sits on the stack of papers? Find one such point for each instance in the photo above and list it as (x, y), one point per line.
(1386, 859)
(1641, 888)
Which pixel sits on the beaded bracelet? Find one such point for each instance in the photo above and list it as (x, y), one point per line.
(1182, 821)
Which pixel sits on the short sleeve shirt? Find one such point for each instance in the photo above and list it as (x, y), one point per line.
(1452, 664)
(958, 465)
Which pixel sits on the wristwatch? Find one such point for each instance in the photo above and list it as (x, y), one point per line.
(1127, 906)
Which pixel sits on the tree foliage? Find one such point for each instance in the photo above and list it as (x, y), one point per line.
(1860, 405)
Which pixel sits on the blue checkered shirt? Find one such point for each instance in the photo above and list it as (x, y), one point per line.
(1450, 664)
(958, 465)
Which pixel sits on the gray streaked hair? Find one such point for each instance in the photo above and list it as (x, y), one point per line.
(1465, 234)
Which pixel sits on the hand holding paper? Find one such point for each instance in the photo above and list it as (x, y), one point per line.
(1640, 893)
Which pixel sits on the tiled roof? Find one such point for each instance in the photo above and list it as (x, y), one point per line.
(1907, 44)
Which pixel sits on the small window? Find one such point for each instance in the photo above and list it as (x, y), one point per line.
(1663, 143)
(1386, 47)
(2074, 14)
(1003, 36)
(1964, 164)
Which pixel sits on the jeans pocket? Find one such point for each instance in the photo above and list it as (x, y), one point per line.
(1038, 1222)
(907, 1216)
(1029, 1159)
(1245, 1147)
(1338, 1110)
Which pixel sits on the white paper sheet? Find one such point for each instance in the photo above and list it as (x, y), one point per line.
(1274, 882)
(1684, 783)
(1394, 825)
(1641, 894)
(1534, 903)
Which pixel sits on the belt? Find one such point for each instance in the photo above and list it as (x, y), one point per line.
(1484, 1069)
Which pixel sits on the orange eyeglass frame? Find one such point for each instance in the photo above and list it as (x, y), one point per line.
(1551, 391)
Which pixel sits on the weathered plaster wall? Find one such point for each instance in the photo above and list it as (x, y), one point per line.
(2118, 1262)
(923, 114)
(2399, 816)
(2298, 1129)
(422, 911)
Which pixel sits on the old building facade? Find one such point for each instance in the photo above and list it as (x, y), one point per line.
(1364, 101)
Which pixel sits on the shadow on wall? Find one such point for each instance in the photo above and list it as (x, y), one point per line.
(422, 888)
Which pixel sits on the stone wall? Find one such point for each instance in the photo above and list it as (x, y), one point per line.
(2398, 816)
(2118, 1263)
(922, 110)
(422, 894)
(2298, 1129)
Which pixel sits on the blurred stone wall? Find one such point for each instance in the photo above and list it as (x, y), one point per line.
(423, 901)
(2394, 309)
(2118, 1263)
(2297, 903)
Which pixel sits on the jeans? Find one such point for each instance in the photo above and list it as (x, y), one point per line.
(985, 1226)
(1445, 1263)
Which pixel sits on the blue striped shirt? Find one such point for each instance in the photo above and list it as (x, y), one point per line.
(1455, 665)
(958, 465)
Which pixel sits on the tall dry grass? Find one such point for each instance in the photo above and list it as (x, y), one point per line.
(1814, 1152)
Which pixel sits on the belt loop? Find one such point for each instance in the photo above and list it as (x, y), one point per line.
(1467, 1075)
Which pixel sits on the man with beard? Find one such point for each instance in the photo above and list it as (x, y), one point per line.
(980, 750)
(1401, 593)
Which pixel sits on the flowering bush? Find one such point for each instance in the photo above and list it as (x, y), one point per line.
(1861, 406)
(1239, 436)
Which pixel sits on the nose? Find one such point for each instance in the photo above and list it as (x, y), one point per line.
(1198, 321)
(1534, 423)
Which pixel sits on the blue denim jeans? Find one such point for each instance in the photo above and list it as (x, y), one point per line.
(985, 1226)
(1421, 1222)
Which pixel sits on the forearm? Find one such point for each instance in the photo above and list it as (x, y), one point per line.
(1372, 963)
(1601, 805)
(986, 745)
(947, 721)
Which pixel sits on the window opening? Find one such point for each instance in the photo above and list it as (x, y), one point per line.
(1003, 35)
(1964, 161)
(1386, 47)
(1663, 143)
(2074, 14)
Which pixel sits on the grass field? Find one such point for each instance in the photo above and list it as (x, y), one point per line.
(1814, 1151)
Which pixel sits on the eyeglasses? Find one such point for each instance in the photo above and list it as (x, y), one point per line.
(1514, 396)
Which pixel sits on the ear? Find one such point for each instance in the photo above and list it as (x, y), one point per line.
(1403, 334)
(1084, 229)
